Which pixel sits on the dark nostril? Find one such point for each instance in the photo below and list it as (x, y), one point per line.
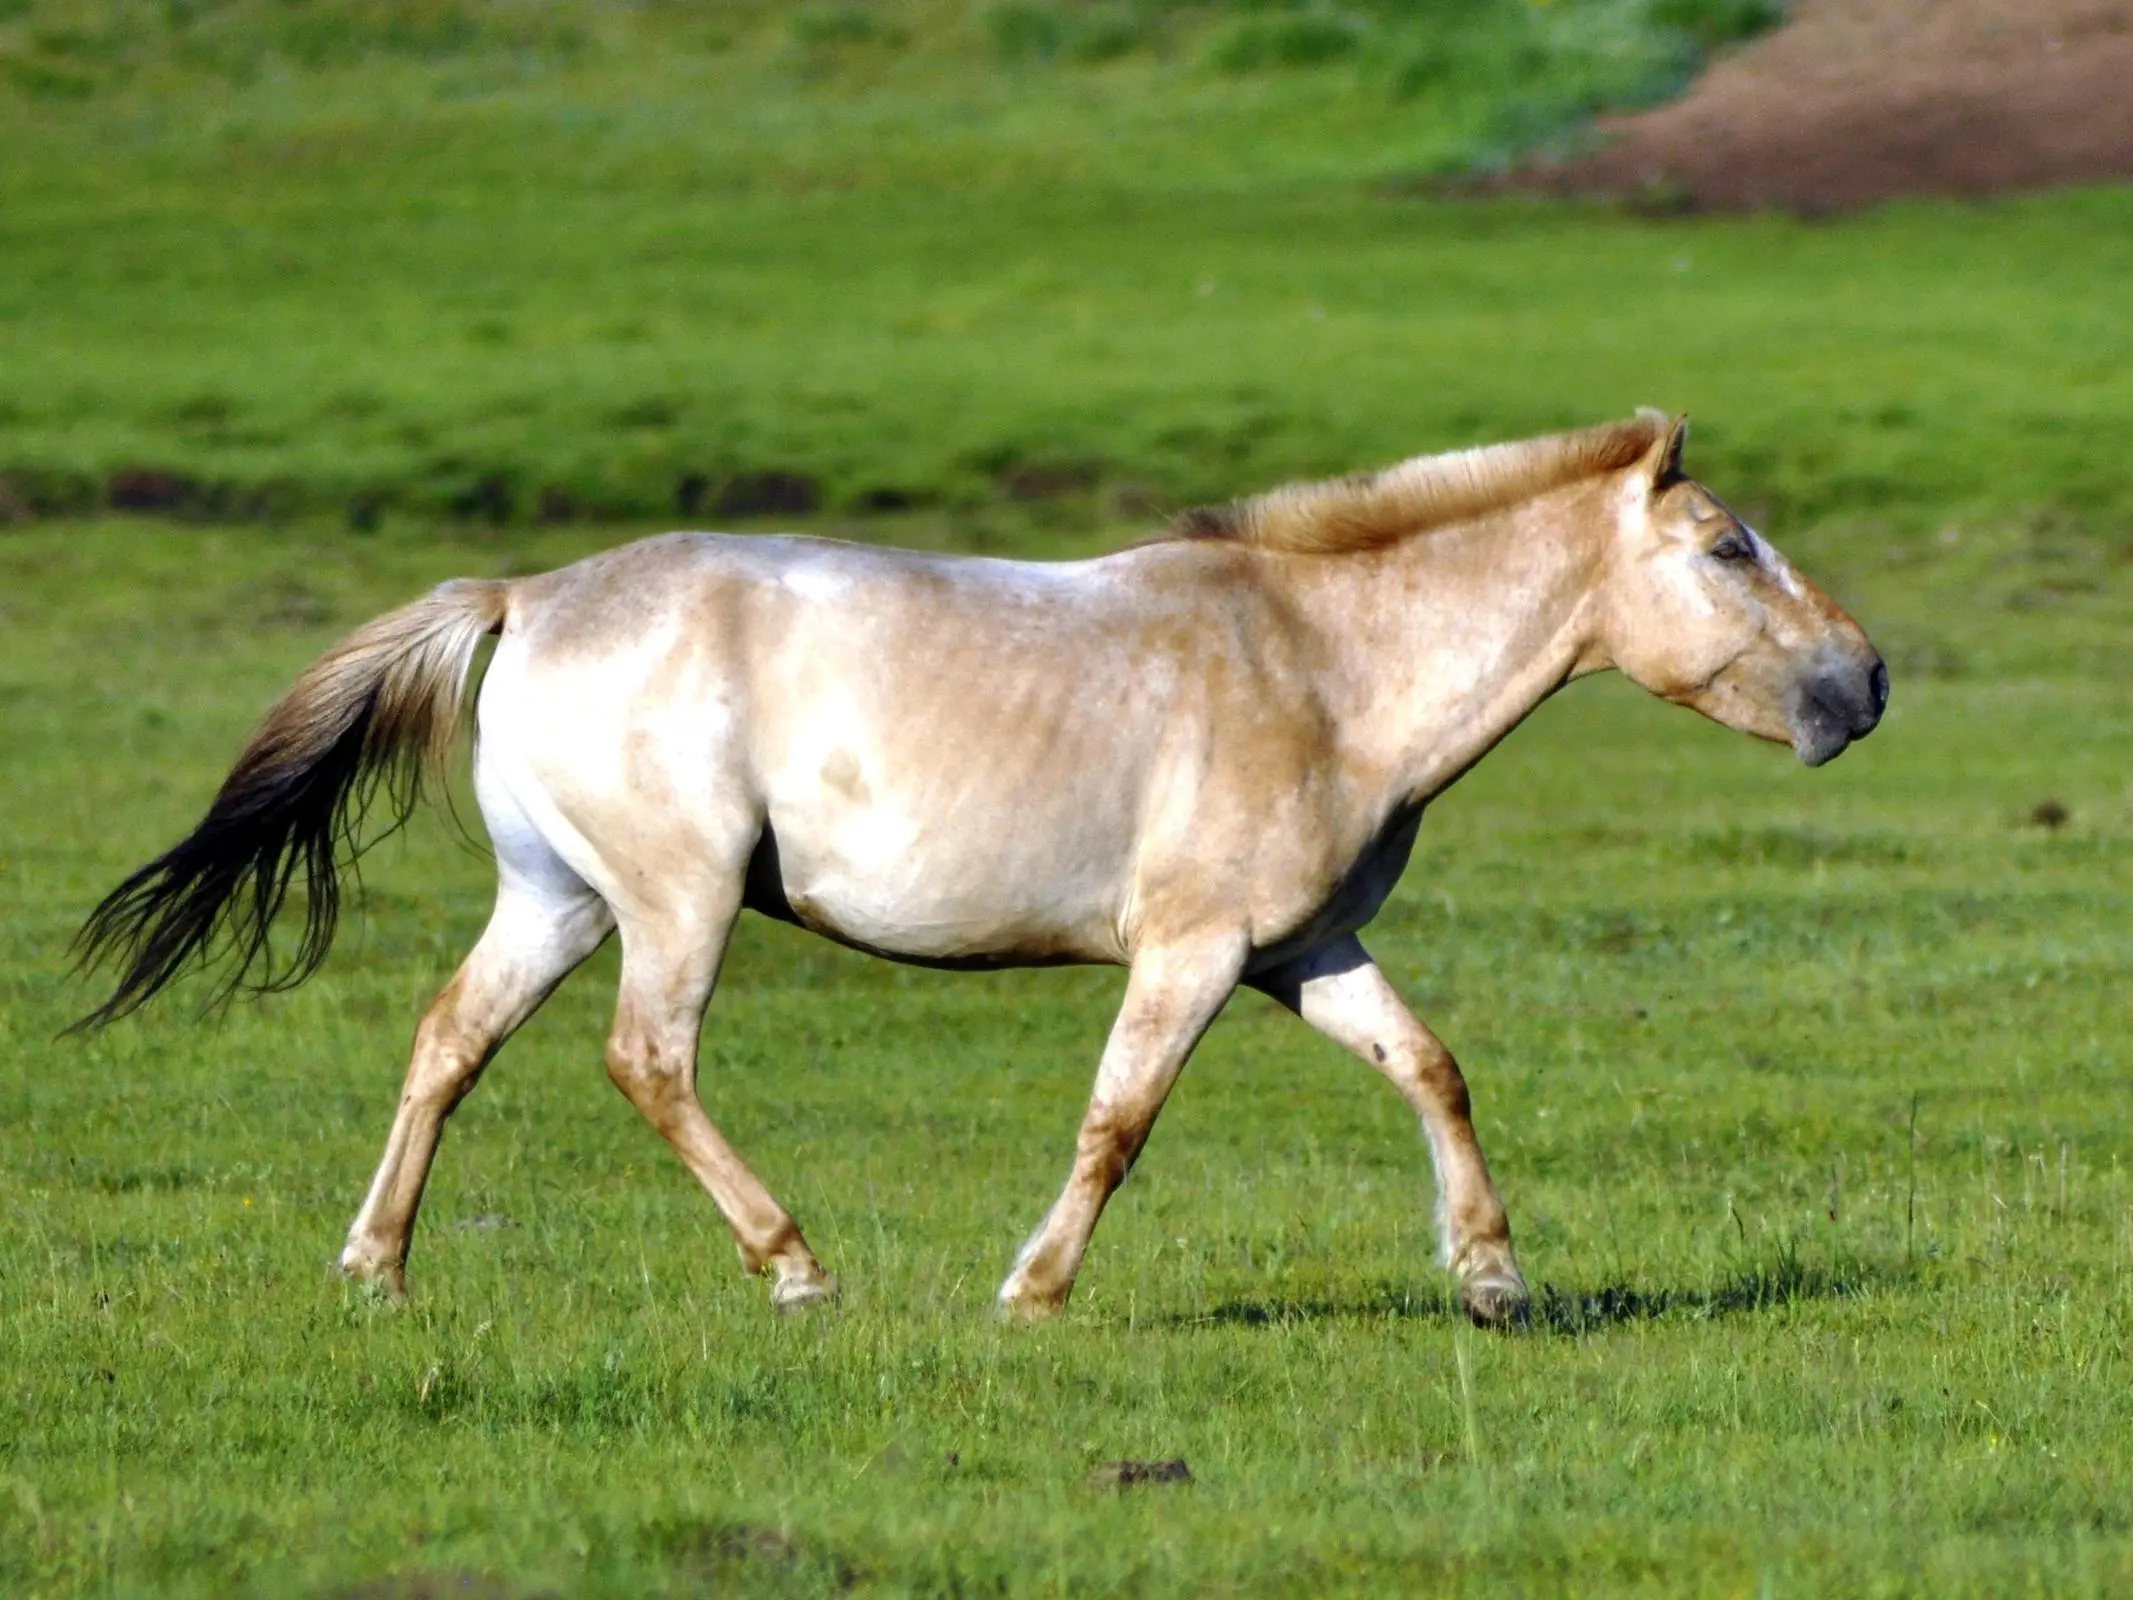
(1877, 683)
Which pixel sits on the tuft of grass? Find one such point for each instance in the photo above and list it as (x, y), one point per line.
(1712, 24)
(1296, 39)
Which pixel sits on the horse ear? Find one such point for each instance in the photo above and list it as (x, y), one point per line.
(1662, 463)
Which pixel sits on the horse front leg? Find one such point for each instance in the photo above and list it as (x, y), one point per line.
(1339, 991)
(1174, 992)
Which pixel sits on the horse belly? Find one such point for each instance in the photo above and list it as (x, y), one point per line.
(950, 890)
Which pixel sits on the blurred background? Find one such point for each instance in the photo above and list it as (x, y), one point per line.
(516, 261)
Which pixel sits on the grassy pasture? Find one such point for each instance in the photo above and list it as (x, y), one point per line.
(1792, 1341)
(1805, 1089)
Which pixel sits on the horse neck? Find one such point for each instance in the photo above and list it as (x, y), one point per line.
(1441, 644)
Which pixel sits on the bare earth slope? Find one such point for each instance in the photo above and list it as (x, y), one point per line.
(1860, 100)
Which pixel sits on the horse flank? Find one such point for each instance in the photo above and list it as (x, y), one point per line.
(1368, 510)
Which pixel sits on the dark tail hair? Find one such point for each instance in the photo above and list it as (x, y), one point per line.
(378, 710)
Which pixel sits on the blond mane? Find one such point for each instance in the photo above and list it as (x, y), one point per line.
(1368, 510)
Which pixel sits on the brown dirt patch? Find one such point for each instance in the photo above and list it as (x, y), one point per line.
(1854, 101)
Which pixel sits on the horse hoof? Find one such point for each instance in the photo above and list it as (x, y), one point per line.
(1496, 1300)
(1018, 1304)
(791, 1295)
(380, 1280)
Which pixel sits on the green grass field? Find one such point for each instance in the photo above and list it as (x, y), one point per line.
(508, 284)
(1806, 1090)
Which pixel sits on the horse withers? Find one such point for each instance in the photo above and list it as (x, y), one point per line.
(1203, 758)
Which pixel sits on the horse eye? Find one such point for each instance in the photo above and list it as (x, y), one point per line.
(1734, 547)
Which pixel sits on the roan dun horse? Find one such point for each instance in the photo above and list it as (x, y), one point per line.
(1203, 758)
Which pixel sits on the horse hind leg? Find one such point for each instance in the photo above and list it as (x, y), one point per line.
(669, 968)
(535, 937)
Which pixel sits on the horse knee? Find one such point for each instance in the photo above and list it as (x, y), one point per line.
(1431, 1072)
(447, 1056)
(629, 1065)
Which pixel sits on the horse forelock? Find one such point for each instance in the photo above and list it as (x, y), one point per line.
(1368, 510)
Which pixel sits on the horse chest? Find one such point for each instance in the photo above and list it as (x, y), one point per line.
(1356, 895)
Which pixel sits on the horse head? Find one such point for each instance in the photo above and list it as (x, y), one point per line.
(1699, 609)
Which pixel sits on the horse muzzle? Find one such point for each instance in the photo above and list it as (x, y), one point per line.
(1834, 706)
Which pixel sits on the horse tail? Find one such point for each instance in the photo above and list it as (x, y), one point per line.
(377, 712)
